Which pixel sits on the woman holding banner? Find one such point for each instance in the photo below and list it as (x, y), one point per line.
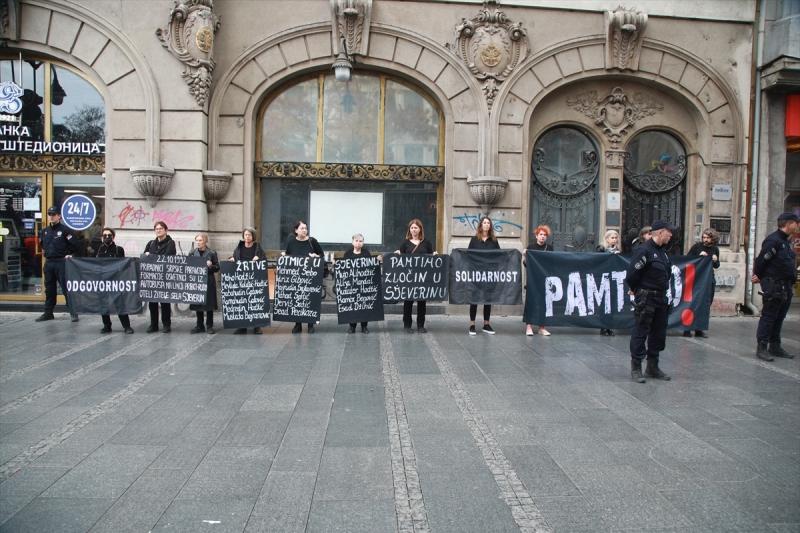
(484, 239)
(415, 243)
(161, 245)
(248, 249)
(707, 247)
(301, 244)
(354, 252)
(541, 233)
(611, 240)
(201, 249)
(108, 248)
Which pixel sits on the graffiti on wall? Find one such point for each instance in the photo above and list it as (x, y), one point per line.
(173, 219)
(132, 216)
(470, 222)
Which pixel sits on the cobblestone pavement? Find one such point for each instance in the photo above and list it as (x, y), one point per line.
(388, 431)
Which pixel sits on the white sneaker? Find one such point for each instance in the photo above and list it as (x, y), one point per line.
(543, 332)
(529, 331)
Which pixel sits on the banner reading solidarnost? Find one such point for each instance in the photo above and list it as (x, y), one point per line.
(176, 279)
(245, 294)
(589, 290)
(485, 277)
(103, 285)
(358, 290)
(415, 277)
(298, 289)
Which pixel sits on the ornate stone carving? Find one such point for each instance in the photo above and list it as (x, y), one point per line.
(84, 164)
(491, 46)
(616, 112)
(615, 158)
(624, 36)
(486, 191)
(215, 186)
(152, 182)
(9, 20)
(354, 171)
(351, 21)
(190, 37)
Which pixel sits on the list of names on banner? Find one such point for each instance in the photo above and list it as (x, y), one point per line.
(358, 290)
(245, 294)
(173, 279)
(298, 289)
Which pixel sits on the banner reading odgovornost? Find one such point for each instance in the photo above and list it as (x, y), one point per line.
(103, 285)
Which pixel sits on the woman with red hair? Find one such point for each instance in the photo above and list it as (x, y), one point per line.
(541, 234)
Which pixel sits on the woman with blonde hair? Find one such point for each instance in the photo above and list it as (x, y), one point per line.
(201, 249)
(611, 246)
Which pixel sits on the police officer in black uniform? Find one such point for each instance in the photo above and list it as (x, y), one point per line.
(775, 270)
(648, 278)
(58, 243)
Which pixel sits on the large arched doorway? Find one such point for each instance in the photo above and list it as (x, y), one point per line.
(655, 184)
(360, 156)
(564, 187)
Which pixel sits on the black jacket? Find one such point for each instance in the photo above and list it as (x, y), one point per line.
(165, 247)
(301, 248)
(476, 243)
(776, 259)
(650, 268)
(211, 288)
(111, 250)
(237, 252)
(58, 241)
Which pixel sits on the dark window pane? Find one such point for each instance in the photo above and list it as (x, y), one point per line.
(77, 108)
(30, 78)
(290, 124)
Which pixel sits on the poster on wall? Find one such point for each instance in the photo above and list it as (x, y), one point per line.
(245, 294)
(298, 289)
(358, 290)
(176, 279)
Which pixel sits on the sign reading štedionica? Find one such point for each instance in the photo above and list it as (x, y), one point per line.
(78, 212)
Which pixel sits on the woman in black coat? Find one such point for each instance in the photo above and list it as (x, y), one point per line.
(201, 249)
(248, 249)
(610, 245)
(302, 244)
(706, 247)
(354, 252)
(415, 243)
(161, 245)
(108, 248)
(540, 244)
(484, 239)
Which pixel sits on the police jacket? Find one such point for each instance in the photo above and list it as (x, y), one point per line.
(165, 247)
(650, 268)
(776, 259)
(58, 241)
(110, 250)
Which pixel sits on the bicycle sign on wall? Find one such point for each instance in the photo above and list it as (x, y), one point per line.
(78, 212)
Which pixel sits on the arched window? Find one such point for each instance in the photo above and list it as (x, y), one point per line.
(564, 188)
(655, 183)
(350, 157)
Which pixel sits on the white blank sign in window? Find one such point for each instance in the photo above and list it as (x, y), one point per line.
(334, 216)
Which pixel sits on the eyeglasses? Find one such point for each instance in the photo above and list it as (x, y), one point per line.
(107, 235)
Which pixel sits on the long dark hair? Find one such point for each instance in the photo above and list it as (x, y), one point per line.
(479, 233)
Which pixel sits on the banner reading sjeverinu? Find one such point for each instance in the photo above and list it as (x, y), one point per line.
(358, 290)
(589, 290)
(104, 285)
(485, 277)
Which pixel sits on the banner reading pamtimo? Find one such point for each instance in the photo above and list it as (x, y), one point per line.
(245, 294)
(485, 277)
(415, 277)
(358, 290)
(103, 286)
(298, 289)
(176, 279)
(588, 290)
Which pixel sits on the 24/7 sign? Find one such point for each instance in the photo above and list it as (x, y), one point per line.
(78, 212)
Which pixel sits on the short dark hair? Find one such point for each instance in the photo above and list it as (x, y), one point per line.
(162, 224)
(111, 231)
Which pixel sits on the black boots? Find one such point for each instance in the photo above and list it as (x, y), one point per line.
(776, 350)
(652, 371)
(762, 352)
(636, 371)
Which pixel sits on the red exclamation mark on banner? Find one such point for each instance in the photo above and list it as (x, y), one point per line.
(687, 315)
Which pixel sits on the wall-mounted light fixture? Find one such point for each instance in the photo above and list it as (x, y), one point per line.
(343, 65)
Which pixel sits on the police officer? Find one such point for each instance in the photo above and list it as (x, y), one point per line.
(774, 269)
(58, 244)
(648, 278)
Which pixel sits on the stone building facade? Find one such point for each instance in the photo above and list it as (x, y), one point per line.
(584, 115)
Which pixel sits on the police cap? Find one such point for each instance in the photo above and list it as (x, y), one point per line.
(662, 224)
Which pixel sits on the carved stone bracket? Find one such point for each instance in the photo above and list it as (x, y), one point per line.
(189, 35)
(486, 191)
(615, 158)
(491, 46)
(616, 113)
(9, 20)
(350, 20)
(152, 182)
(624, 36)
(215, 186)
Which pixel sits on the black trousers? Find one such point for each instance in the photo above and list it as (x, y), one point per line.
(363, 324)
(55, 271)
(166, 313)
(649, 334)
(125, 320)
(407, 307)
(774, 311)
(473, 311)
(209, 318)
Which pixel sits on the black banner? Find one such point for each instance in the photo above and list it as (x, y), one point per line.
(176, 279)
(415, 277)
(298, 289)
(103, 286)
(358, 290)
(588, 290)
(245, 294)
(485, 277)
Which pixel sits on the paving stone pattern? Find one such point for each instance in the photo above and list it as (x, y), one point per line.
(436, 432)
